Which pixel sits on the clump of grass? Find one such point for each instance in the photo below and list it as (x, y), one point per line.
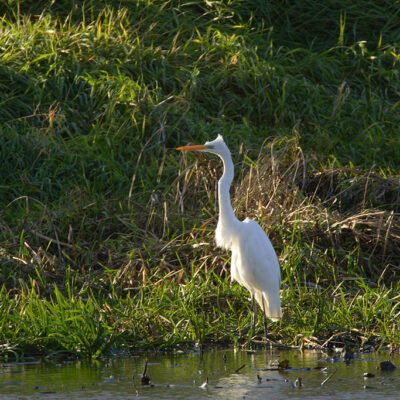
(351, 313)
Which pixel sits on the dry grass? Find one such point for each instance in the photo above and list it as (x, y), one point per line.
(335, 211)
(337, 217)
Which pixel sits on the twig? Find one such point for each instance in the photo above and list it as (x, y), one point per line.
(329, 377)
(38, 234)
(237, 370)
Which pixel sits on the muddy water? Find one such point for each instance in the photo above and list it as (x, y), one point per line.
(184, 376)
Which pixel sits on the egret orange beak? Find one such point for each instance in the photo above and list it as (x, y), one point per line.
(193, 147)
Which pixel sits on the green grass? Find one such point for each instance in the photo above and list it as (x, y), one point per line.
(106, 232)
(162, 314)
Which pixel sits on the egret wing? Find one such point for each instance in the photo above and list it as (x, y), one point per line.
(257, 266)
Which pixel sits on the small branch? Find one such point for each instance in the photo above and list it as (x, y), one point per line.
(237, 370)
(328, 378)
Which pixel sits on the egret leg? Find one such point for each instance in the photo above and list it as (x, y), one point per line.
(265, 326)
(265, 320)
(254, 315)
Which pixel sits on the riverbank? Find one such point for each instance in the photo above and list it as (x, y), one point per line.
(107, 232)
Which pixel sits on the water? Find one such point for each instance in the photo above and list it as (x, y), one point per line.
(180, 376)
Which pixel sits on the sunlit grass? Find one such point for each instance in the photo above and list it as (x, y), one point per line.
(106, 233)
(206, 309)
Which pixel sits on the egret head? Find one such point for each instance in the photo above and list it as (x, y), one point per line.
(216, 146)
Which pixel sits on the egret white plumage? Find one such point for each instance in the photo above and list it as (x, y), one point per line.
(254, 263)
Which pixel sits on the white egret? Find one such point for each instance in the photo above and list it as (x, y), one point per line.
(254, 263)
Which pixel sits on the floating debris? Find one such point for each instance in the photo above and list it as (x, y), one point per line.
(284, 365)
(367, 375)
(204, 385)
(237, 370)
(298, 383)
(145, 378)
(328, 378)
(386, 366)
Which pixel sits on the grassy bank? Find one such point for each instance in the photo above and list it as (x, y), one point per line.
(106, 232)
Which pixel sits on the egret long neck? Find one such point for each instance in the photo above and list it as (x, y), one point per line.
(226, 213)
